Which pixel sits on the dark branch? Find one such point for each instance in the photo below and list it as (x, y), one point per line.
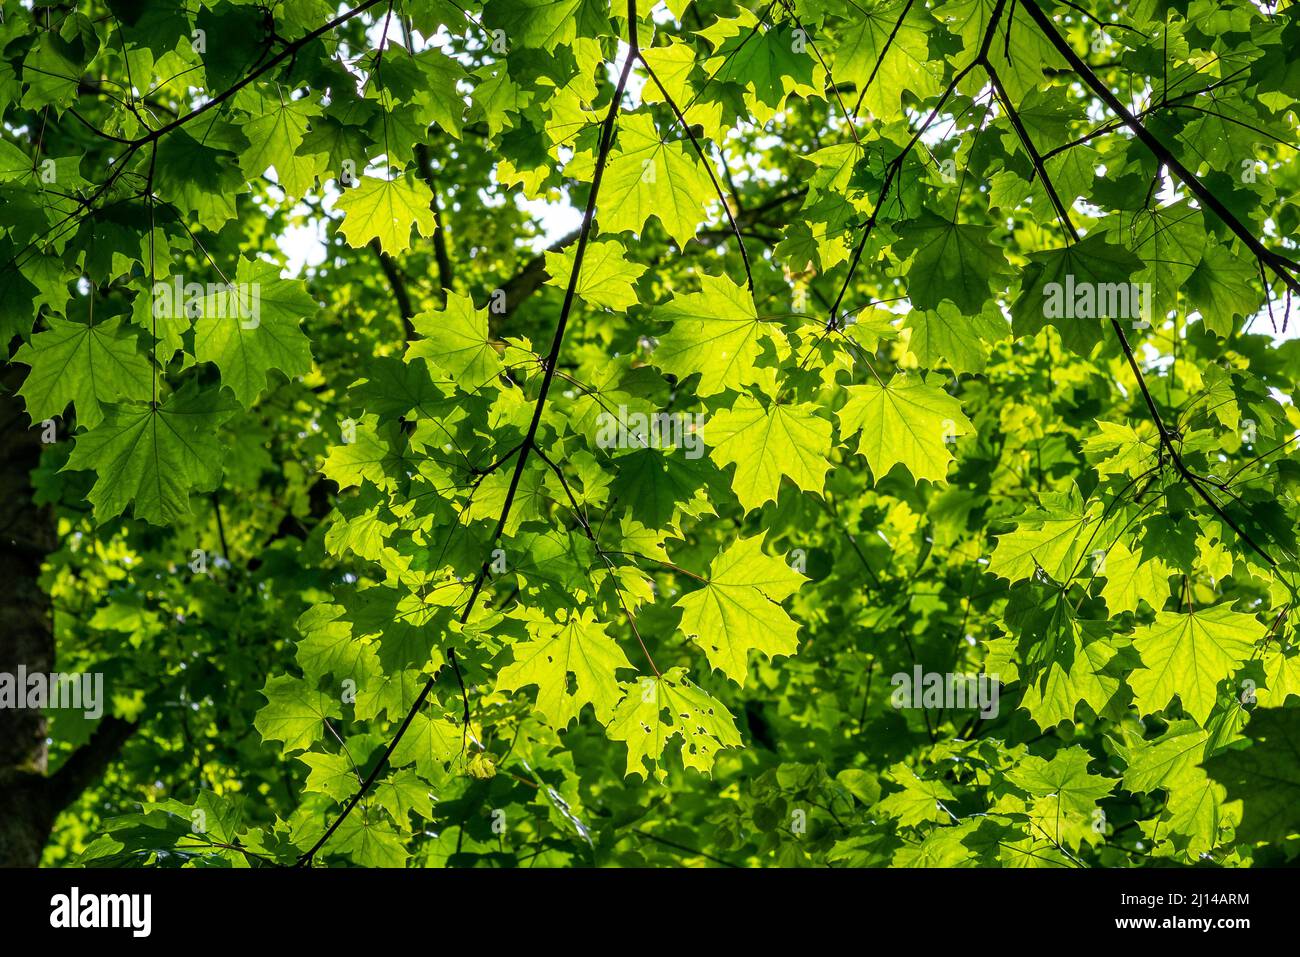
(424, 163)
(87, 763)
(1153, 143)
(530, 438)
(396, 282)
(1165, 438)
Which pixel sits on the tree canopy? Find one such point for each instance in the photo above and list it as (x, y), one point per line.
(556, 432)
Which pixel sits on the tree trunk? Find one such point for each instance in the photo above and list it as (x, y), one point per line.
(27, 535)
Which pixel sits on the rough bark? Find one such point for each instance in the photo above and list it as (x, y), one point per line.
(29, 799)
(27, 535)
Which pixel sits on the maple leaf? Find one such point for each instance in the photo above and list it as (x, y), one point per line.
(766, 444)
(330, 774)
(949, 261)
(1051, 538)
(376, 455)
(386, 209)
(656, 710)
(576, 646)
(432, 741)
(1130, 578)
(83, 364)
(1195, 802)
(716, 332)
(1066, 664)
(919, 801)
(884, 53)
(648, 176)
(372, 844)
(607, 277)
(455, 339)
(547, 23)
(1065, 793)
(1092, 263)
(946, 334)
(274, 139)
(295, 713)
(738, 609)
(769, 63)
(150, 458)
(402, 794)
(904, 421)
(328, 647)
(1263, 776)
(1188, 654)
(251, 328)
(657, 486)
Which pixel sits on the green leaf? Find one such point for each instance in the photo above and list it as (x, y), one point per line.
(385, 210)
(371, 843)
(546, 23)
(275, 138)
(1065, 666)
(86, 365)
(577, 646)
(658, 486)
(949, 261)
(430, 743)
(607, 277)
(1188, 655)
(375, 454)
(455, 339)
(738, 610)
(403, 793)
(884, 51)
(944, 334)
(769, 62)
(1130, 579)
(656, 710)
(1067, 792)
(251, 328)
(904, 422)
(648, 176)
(1264, 776)
(150, 458)
(295, 713)
(1223, 286)
(919, 802)
(1063, 288)
(50, 71)
(328, 648)
(1052, 538)
(716, 332)
(331, 774)
(767, 443)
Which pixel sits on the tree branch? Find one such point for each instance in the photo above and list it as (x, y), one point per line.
(708, 168)
(397, 282)
(424, 163)
(87, 763)
(1165, 438)
(530, 438)
(1202, 193)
